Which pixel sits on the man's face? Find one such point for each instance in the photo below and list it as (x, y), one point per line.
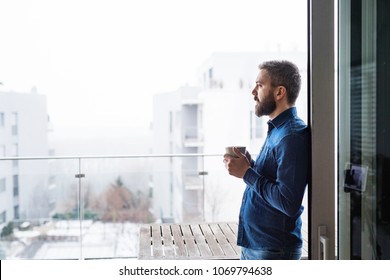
(263, 95)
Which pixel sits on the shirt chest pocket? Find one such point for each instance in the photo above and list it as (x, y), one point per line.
(267, 165)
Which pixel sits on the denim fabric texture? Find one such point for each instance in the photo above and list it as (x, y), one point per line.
(270, 214)
(269, 254)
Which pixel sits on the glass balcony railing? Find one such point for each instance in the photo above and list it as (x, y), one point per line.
(91, 207)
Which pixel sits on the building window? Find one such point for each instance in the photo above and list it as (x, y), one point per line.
(200, 118)
(3, 216)
(210, 73)
(259, 127)
(16, 185)
(15, 150)
(170, 122)
(16, 212)
(212, 81)
(2, 122)
(2, 185)
(15, 153)
(256, 126)
(14, 123)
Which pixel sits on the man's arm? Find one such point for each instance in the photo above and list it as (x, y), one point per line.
(287, 191)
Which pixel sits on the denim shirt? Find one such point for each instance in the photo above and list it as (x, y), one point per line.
(270, 215)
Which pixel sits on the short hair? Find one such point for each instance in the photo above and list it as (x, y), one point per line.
(284, 73)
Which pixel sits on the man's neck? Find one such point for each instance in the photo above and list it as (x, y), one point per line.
(279, 110)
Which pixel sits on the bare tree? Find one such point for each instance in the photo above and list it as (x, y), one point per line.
(117, 203)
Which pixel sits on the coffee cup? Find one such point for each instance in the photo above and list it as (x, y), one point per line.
(229, 150)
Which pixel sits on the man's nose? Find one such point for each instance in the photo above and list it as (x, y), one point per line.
(254, 91)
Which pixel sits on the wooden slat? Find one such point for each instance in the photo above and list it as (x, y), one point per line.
(234, 228)
(180, 248)
(145, 242)
(231, 237)
(200, 240)
(211, 240)
(222, 241)
(157, 242)
(192, 249)
(169, 250)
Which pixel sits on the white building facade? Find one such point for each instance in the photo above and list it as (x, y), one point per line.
(177, 187)
(23, 133)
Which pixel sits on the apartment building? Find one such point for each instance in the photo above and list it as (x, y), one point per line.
(23, 133)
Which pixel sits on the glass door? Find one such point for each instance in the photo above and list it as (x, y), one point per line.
(364, 130)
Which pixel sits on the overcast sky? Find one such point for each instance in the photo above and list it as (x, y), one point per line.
(100, 61)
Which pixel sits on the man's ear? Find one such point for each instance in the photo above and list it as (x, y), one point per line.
(280, 92)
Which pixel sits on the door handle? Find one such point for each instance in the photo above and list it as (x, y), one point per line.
(323, 243)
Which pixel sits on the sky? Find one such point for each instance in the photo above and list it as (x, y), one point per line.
(99, 62)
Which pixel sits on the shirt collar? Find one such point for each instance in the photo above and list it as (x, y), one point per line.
(281, 118)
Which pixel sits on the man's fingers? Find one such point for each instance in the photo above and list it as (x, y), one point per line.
(238, 152)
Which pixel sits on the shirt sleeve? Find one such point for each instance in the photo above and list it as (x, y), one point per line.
(287, 191)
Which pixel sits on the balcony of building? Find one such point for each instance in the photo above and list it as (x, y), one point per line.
(192, 137)
(93, 207)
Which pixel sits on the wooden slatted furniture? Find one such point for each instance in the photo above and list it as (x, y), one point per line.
(188, 241)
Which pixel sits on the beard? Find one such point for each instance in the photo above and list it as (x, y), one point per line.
(266, 106)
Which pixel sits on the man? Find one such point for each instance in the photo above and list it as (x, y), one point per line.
(270, 216)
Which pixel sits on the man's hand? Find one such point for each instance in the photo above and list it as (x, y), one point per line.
(237, 166)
